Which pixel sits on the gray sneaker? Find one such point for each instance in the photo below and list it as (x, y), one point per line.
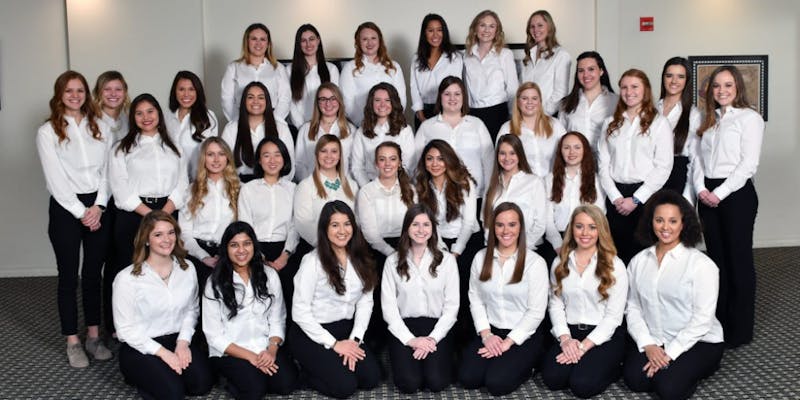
(76, 356)
(97, 349)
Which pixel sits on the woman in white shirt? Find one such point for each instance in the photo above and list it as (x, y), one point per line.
(591, 100)
(383, 121)
(729, 149)
(538, 131)
(266, 204)
(589, 288)
(420, 299)
(244, 319)
(308, 70)
(211, 206)
(513, 181)
(489, 71)
(257, 64)
(436, 58)
(546, 63)
(328, 182)
(573, 182)
(370, 65)
(74, 153)
(507, 300)
(155, 311)
(635, 158)
(671, 303)
(466, 134)
(332, 307)
(190, 121)
(146, 172)
(684, 119)
(111, 96)
(328, 118)
(257, 122)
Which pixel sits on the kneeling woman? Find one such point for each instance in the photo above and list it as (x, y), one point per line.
(332, 306)
(508, 298)
(671, 303)
(419, 296)
(155, 312)
(244, 319)
(587, 301)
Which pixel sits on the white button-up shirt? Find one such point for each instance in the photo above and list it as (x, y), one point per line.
(730, 150)
(630, 156)
(181, 131)
(117, 128)
(471, 141)
(355, 85)
(490, 81)
(145, 307)
(588, 118)
(268, 209)
(150, 169)
(539, 150)
(239, 74)
(526, 191)
(559, 214)
(305, 159)
(425, 84)
(551, 74)
(519, 307)
(316, 302)
(300, 111)
(462, 227)
(380, 211)
(421, 295)
(581, 303)
(255, 322)
(674, 304)
(232, 128)
(363, 156)
(76, 165)
(308, 205)
(209, 221)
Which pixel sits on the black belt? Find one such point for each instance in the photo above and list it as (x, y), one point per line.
(153, 200)
(582, 327)
(207, 243)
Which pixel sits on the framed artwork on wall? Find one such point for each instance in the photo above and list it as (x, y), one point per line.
(754, 71)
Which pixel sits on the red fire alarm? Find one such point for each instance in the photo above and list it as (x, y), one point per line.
(646, 24)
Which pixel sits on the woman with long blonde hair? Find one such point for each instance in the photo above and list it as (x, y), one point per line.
(211, 207)
(589, 287)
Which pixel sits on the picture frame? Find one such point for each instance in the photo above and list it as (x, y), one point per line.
(754, 71)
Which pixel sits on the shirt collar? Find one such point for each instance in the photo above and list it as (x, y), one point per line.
(675, 252)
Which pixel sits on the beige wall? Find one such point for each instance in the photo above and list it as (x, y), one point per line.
(149, 40)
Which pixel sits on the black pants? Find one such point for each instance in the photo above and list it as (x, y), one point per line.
(155, 379)
(623, 227)
(433, 372)
(247, 382)
(597, 369)
(326, 374)
(501, 375)
(378, 332)
(677, 178)
(728, 230)
(67, 235)
(271, 251)
(493, 117)
(126, 224)
(428, 110)
(680, 379)
(464, 328)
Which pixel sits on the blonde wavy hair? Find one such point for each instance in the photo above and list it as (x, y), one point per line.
(199, 187)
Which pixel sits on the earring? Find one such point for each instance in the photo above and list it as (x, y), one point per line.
(147, 244)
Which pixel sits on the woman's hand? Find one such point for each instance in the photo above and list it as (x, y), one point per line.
(184, 353)
(211, 262)
(657, 359)
(421, 116)
(350, 351)
(492, 345)
(169, 207)
(422, 347)
(626, 206)
(91, 218)
(170, 359)
(280, 262)
(570, 350)
(708, 198)
(266, 360)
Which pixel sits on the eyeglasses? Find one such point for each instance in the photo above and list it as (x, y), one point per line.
(331, 99)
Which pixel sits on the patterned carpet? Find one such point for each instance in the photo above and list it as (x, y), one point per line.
(35, 367)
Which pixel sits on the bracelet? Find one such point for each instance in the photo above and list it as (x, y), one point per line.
(277, 343)
(561, 342)
(484, 338)
(581, 347)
